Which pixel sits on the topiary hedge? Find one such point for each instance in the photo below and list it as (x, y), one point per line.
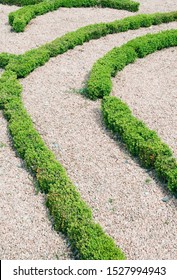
(26, 63)
(4, 59)
(20, 18)
(20, 2)
(99, 83)
(141, 142)
(70, 213)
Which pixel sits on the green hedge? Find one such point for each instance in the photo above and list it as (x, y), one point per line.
(70, 213)
(20, 2)
(99, 83)
(20, 18)
(141, 142)
(4, 59)
(24, 64)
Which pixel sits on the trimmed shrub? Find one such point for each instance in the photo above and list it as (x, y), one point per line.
(73, 218)
(99, 83)
(26, 63)
(70, 213)
(20, 2)
(140, 141)
(20, 18)
(4, 59)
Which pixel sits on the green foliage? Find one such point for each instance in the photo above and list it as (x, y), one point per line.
(141, 142)
(20, 18)
(99, 83)
(74, 218)
(4, 59)
(70, 213)
(20, 2)
(26, 63)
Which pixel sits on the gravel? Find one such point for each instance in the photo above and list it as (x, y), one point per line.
(127, 201)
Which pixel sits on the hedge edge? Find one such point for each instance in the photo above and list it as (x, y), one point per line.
(140, 141)
(69, 212)
(20, 18)
(22, 65)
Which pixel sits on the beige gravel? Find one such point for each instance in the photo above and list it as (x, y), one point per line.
(126, 200)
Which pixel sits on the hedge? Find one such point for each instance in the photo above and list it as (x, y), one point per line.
(20, 18)
(141, 142)
(26, 63)
(20, 2)
(4, 59)
(70, 213)
(99, 83)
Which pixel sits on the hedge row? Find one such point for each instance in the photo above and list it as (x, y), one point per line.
(99, 83)
(4, 59)
(26, 63)
(141, 142)
(20, 18)
(20, 2)
(70, 213)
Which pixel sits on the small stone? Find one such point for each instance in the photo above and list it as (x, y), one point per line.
(166, 198)
(55, 145)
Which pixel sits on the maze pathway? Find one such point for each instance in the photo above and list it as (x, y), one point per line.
(125, 199)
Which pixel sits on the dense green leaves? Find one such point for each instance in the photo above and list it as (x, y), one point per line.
(70, 213)
(99, 83)
(20, 18)
(141, 142)
(24, 64)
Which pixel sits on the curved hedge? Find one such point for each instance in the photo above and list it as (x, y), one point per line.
(20, 2)
(70, 213)
(20, 18)
(138, 138)
(99, 83)
(4, 59)
(22, 65)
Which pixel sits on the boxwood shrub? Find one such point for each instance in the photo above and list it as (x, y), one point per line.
(140, 141)
(70, 213)
(20, 18)
(99, 83)
(24, 64)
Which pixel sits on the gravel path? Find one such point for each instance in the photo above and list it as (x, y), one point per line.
(126, 200)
